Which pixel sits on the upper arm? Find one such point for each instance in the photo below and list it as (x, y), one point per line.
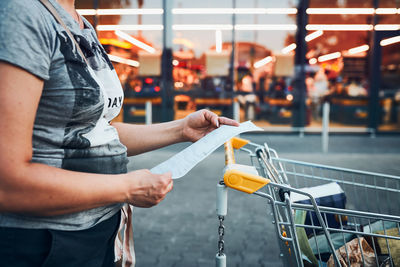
(25, 59)
(20, 93)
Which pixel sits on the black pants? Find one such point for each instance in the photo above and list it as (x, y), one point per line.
(29, 247)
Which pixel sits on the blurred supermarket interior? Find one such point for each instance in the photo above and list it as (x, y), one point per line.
(275, 62)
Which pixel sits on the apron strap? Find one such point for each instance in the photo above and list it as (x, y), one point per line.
(58, 18)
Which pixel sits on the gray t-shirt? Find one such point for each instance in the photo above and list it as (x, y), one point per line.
(71, 129)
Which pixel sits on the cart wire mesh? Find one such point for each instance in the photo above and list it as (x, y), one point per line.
(366, 232)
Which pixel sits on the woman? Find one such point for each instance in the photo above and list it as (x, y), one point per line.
(63, 175)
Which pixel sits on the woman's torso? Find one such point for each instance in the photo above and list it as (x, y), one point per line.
(71, 129)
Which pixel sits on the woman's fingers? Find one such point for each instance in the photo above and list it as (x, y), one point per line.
(227, 121)
(211, 117)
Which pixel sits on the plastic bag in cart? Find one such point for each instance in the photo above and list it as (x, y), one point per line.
(352, 252)
(390, 229)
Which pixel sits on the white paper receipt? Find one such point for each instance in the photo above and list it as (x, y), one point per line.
(184, 161)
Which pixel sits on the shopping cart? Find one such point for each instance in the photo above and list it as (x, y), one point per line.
(357, 223)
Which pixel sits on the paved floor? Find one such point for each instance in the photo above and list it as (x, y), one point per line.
(182, 230)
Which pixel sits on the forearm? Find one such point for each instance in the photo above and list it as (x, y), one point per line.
(42, 190)
(142, 138)
(38, 189)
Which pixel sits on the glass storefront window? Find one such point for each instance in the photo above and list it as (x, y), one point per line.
(263, 82)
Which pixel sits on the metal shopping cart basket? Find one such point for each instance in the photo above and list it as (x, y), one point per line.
(323, 215)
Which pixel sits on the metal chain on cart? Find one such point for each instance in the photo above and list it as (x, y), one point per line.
(221, 232)
(222, 209)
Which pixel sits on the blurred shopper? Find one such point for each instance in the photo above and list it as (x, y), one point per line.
(278, 92)
(247, 84)
(263, 85)
(320, 89)
(248, 99)
(310, 84)
(337, 91)
(355, 89)
(63, 164)
(277, 89)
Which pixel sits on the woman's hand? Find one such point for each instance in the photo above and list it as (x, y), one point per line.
(146, 189)
(200, 123)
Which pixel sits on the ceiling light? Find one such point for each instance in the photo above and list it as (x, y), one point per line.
(314, 35)
(289, 48)
(230, 11)
(387, 27)
(87, 12)
(218, 41)
(339, 27)
(312, 61)
(329, 56)
(200, 27)
(389, 41)
(265, 27)
(358, 49)
(262, 62)
(126, 61)
(133, 27)
(340, 11)
(135, 41)
(121, 11)
(386, 11)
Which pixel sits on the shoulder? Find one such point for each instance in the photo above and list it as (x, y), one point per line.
(22, 8)
(26, 35)
(29, 14)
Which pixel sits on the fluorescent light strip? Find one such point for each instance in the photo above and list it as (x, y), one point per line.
(135, 41)
(121, 11)
(358, 49)
(281, 11)
(230, 11)
(218, 41)
(134, 27)
(339, 27)
(252, 27)
(389, 41)
(314, 35)
(202, 11)
(386, 11)
(200, 27)
(266, 27)
(313, 61)
(329, 56)
(131, 11)
(249, 11)
(330, 11)
(239, 27)
(262, 62)
(87, 12)
(126, 61)
(387, 27)
(204, 27)
(289, 48)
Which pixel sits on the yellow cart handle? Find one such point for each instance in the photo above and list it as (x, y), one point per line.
(236, 178)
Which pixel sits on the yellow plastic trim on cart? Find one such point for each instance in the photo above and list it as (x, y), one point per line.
(233, 143)
(239, 142)
(229, 153)
(244, 182)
